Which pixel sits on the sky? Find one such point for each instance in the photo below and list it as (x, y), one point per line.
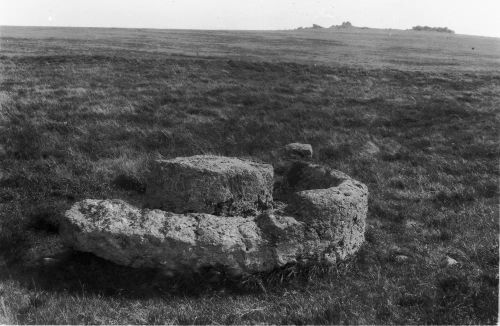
(475, 17)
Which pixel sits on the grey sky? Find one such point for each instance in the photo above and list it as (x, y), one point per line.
(477, 17)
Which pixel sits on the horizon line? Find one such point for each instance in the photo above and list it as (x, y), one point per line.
(247, 30)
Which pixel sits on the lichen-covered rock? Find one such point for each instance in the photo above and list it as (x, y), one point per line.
(127, 235)
(210, 184)
(337, 214)
(329, 201)
(130, 236)
(323, 218)
(298, 151)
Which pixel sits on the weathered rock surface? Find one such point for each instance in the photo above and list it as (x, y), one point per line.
(210, 184)
(298, 151)
(336, 210)
(127, 235)
(323, 219)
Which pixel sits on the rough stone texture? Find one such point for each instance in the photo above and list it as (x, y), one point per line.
(210, 184)
(323, 219)
(337, 214)
(126, 235)
(298, 151)
(327, 201)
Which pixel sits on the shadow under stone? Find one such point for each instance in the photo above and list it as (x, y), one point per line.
(78, 272)
(84, 272)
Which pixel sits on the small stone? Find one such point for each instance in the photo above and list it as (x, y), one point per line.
(448, 261)
(401, 258)
(298, 151)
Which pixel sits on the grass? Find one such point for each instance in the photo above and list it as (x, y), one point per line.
(80, 117)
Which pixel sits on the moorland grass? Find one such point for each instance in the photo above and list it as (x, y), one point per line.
(84, 125)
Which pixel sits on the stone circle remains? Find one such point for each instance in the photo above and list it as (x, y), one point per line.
(213, 211)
